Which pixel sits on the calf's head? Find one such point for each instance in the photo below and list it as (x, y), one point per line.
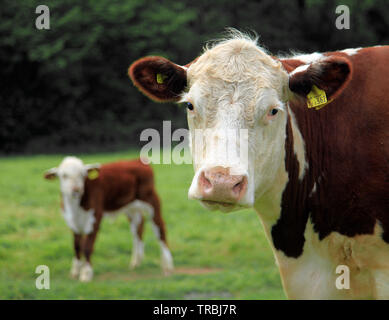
(72, 173)
(237, 109)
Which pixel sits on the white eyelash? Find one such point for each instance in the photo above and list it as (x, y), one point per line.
(281, 107)
(184, 98)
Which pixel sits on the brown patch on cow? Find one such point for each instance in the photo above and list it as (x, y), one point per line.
(354, 165)
(290, 64)
(347, 149)
(331, 75)
(288, 232)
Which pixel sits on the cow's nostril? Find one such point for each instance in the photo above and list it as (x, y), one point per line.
(76, 190)
(205, 182)
(239, 188)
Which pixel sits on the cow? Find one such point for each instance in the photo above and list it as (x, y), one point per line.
(90, 191)
(317, 164)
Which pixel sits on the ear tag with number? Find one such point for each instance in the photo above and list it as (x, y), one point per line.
(161, 78)
(317, 98)
(93, 174)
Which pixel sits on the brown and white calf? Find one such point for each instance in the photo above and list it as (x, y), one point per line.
(318, 177)
(91, 191)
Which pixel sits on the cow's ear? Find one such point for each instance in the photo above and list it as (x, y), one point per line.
(92, 166)
(51, 174)
(158, 78)
(93, 170)
(331, 74)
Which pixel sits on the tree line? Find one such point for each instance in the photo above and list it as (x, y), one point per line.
(66, 89)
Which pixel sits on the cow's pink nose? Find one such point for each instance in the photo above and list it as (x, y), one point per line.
(76, 189)
(217, 184)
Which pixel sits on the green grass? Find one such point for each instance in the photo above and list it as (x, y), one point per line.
(217, 256)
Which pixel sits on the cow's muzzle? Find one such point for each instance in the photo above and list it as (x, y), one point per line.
(218, 185)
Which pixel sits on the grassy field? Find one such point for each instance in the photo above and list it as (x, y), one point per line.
(216, 255)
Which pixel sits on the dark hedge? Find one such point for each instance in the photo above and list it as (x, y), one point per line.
(66, 89)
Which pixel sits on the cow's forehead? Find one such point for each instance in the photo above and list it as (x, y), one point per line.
(236, 61)
(71, 165)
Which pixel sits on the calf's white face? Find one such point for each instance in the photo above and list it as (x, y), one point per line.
(71, 173)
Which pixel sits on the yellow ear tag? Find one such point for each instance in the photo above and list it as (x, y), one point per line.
(93, 174)
(161, 78)
(317, 98)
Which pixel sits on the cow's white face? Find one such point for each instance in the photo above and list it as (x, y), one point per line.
(237, 114)
(237, 118)
(71, 173)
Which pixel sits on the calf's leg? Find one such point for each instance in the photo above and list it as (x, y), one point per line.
(137, 225)
(77, 262)
(159, 229)
(86, 272)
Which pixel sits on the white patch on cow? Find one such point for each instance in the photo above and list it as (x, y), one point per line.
(78, 219)
(232, 87)
(76, 268)
(194, 192)
(268, 205)
(301, 68)
(381, 281)
(137, 247)
(166, 259)
(135, 211)
(166, 256)
(313, 274)
(86, 272)
(351, 52)
(308, 58)
(298, 146)
(71, 173)
(138, 206)
(183, 67)
(156, 230)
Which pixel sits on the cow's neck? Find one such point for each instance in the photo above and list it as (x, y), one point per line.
(79, 220)
(283, 208)
(71, 204)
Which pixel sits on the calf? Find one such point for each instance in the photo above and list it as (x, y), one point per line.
(91, 191)
(316, 168)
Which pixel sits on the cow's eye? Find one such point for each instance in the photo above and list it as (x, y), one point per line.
(273, 112)
(64, 176)
(189, 106)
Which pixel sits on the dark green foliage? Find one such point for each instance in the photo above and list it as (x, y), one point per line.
(66, 89)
